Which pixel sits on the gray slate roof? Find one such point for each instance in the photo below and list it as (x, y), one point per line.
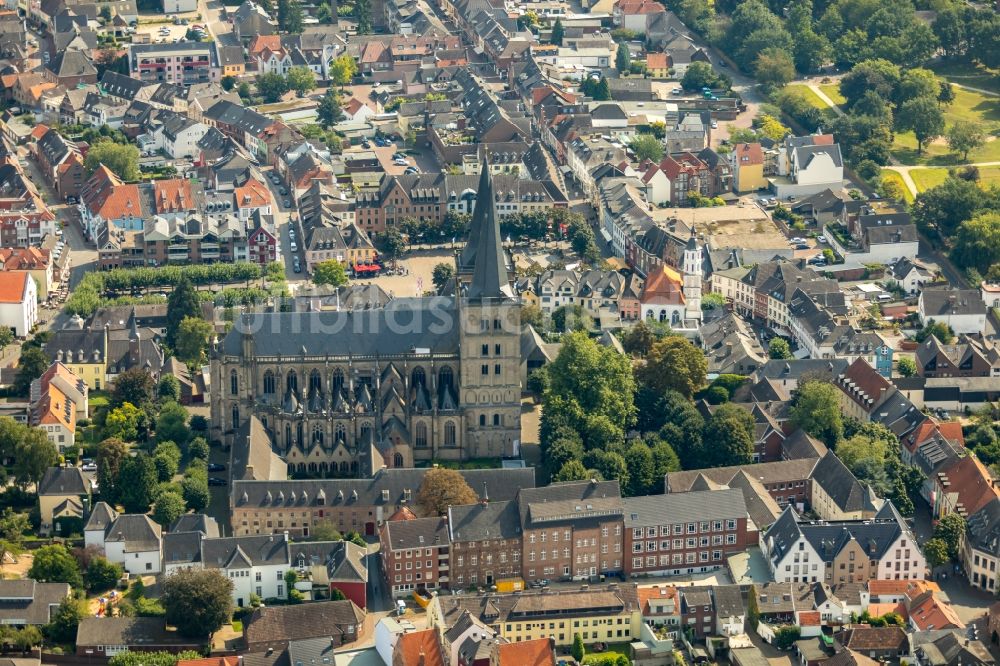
(479, 522)
(697, 505)
(419, 533)
(63, 481)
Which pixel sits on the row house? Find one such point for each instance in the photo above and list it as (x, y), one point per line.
(245, 126)
(683, 533)
(607, 614)
(429, 197)
(251, 197)
(485, 543)
(60, 162)
(57, 399)
(819, 482)
(571, 530)
(36, 262)
(362, 505)
(584, 155)
(107, 200)
(262, 238)
(843, 551)
(194, 239)
(869, 397)
(174, 134)
(595, 290)
(415, 554)
(966, 357)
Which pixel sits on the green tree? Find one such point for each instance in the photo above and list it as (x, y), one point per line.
(779, 349)
(906, 366)
(32, 363)
(572, 470)
(731, 431)
(33, 454)
(228, 83)
(6, 337)
(965, 136)
(641, 469)
(603, 92)
(293, 23)
(700, 75)
(195, 493)
(785, 637)
(442, 488)
(271, 86)
(674, 363)
(197, 602)
(558, 32)
(936, 552)
(945, 207)
(442, 274)
(774, 67)
(922, 115)
(977, 244)
(122, 159)
(623, 58)
(198, 448)
(938, 329)
(192, 340)
(169, 507)
(331, 272)
(182, 303)
(136, 483)
(392, 245)
(55, 564)
(301, 79)
(102, 575)
(123, 422)
(63, 625)
(343, 69)
(135, 386)
(577, 650)
(363, 13)
(329, 112)
(167, 458)
(110, 454)
(172, 425)
(13, 525)
(130, 658)
(647, 147)
(169, 388)
(816, 409)
(951, 530)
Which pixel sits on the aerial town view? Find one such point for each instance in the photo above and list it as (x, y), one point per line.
(496, 333)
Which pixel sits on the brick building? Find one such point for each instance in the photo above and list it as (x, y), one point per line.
(485, 542)
(415, 554)
(571, 530)
(684, 532)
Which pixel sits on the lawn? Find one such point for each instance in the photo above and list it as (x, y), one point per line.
(832, 91)
(968, 105)
(925, 179)
(807, 93)
(612, 648)
(969, 74)
(895, 177)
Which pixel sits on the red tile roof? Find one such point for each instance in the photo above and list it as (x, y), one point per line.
(536, 652)
(253, 194)
(973, 483)
(861, 383)
(12, 287)
(419, 647)
(173, 196)
(657, 61)
(261, 42)
(748, 154)
(23, 258)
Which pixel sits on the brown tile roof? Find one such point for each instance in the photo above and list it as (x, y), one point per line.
(656, 61)
(861, 383)
(538, 652)
(23, 258)
(289, 623)
(262, 42)
(253, 194)
(864, 638)
(419, 647)
(971, 481)
(927, 612)
(748, 154)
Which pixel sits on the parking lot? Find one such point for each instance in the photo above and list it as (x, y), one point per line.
(161, 29)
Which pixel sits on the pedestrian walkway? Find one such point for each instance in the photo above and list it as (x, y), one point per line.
(904, 172)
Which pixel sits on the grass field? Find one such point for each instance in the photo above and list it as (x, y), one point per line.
(832, 91)
(613, 648)
(898, 179)
(806, 93)
(968, 105)
(968, 74)
(925, 179)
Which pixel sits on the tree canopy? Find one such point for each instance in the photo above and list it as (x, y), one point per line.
(197, 601)
(442, 488)
(816, 409)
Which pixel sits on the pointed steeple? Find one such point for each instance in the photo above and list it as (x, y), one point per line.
(489, 274)
(468, 257)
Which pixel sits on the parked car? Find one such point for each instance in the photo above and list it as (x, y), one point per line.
(288, 204)
(296, 265)
(216, 467)
(275, 180)
(715, 124)
(821, 239)
(216, 481)
(365, 144)
(802, 246)
(293, 247)
(282, 191)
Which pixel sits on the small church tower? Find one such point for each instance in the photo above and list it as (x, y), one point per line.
(692, 279)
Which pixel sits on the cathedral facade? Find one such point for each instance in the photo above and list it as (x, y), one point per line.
(344, 392)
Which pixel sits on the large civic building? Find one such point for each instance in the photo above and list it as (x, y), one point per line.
(346, 392)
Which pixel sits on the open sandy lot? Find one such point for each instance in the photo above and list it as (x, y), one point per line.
(744, 225)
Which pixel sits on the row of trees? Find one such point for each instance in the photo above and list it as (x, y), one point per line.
(960, 210)
(272, 86)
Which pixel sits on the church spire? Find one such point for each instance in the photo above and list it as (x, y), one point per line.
(489, 273)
